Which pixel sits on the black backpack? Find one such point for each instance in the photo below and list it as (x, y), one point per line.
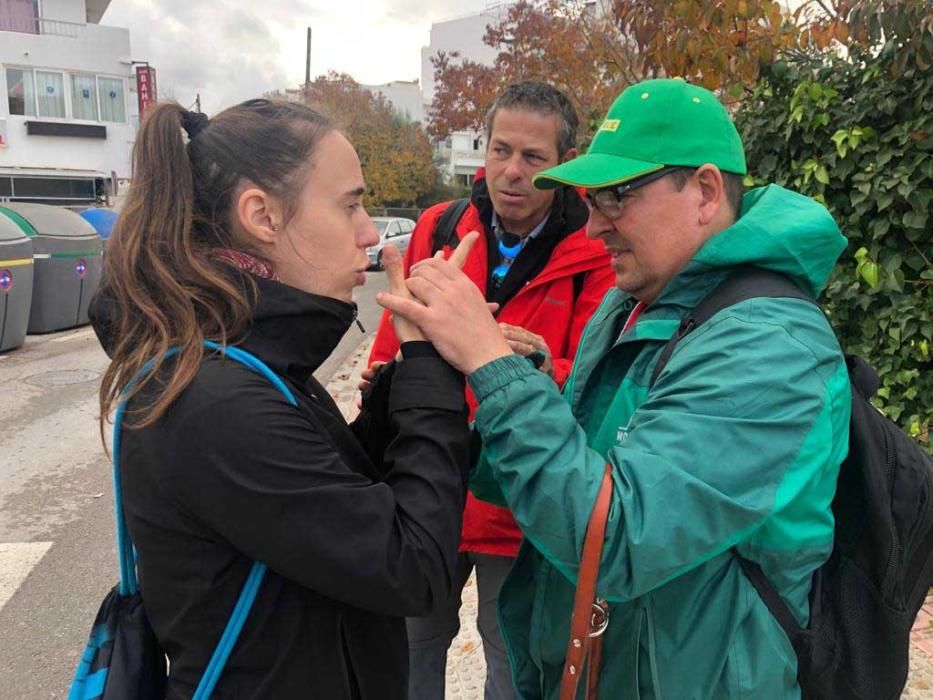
(447, 224)
(865, 598)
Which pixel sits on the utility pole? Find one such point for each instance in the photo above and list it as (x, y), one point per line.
(308, 67)
(197, 103)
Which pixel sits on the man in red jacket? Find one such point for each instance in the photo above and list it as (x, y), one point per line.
(547, 278)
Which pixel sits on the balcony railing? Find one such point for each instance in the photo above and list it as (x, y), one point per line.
(40, 25)
(467, 157)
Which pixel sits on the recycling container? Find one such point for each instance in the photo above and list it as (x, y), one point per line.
(68, 255)
(16, 267)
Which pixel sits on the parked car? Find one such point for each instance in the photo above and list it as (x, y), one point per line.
(391, 230)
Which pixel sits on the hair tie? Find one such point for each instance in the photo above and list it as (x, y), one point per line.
(193, 123)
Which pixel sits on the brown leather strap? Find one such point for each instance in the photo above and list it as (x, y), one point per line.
(585, 603)
(592, 668)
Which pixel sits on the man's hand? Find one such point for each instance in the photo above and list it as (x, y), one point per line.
(525, 343)
(452, 312)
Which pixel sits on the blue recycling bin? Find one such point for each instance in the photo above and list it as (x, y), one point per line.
(101, 219)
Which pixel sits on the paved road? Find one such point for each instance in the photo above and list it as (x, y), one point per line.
(57, 555)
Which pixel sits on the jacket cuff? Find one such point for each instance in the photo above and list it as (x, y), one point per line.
(417, 348)
(496, 374)
(426, 382)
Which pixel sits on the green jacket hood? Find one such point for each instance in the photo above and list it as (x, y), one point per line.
(779, 230)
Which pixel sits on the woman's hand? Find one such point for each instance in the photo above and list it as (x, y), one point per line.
(392, 263)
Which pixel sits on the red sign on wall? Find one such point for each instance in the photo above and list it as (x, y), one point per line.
(146, 88)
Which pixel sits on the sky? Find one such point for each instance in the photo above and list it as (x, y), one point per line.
(231, 51)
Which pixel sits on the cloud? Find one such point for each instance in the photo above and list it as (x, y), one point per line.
(404, 10)
(229, 52)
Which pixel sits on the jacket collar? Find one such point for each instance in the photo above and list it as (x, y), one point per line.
(293, 331)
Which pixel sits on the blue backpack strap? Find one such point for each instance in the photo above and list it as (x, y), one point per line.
(231, 633)
(127, 557)
(125, 554)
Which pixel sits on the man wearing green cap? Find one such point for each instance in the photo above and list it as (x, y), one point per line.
(733, 450)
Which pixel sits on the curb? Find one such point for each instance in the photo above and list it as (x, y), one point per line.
(343, 383)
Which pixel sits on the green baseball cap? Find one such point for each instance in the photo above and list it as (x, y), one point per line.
(651, 125)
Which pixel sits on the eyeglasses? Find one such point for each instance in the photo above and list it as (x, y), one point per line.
(610, 201)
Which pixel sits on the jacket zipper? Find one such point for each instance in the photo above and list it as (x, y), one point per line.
(572, 379)
(652, 653)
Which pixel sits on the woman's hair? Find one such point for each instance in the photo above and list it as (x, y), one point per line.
(162, 285)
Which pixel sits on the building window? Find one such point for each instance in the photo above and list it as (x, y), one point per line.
(84, 97)
(32, 93)
(53, 188)
(19, 16)
(476, 144)
(50, 94)
(112, 100)
(21, 91)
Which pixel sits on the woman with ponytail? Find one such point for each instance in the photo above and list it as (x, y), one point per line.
(247, 230)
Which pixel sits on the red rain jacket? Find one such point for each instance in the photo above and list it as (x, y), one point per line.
(545, 305)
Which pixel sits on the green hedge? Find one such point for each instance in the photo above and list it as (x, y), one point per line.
(856, 133)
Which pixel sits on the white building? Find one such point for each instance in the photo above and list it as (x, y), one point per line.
(463, 35)
(464, 151)
(404, 96)
(69, 111)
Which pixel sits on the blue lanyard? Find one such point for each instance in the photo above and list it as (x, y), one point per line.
(508, 253)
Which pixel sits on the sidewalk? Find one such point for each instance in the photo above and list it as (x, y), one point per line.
(466, 668)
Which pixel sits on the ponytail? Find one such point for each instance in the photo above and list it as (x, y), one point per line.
(164, 287)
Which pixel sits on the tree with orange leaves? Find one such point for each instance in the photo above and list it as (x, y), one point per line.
(563, 43)
(396, 155)
(593, 50)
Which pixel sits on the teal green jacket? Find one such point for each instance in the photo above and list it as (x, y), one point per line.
(737, 445)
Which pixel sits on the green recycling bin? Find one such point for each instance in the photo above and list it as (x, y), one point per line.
(16, 267)
(68, 263)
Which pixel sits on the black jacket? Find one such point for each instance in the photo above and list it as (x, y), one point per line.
(359, 525)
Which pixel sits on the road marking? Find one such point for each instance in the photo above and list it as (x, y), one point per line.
(17, 559)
